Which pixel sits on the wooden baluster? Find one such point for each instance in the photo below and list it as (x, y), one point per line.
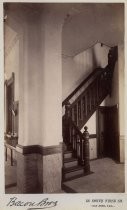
(90, 98)
(84, 151)
(107, 84)
(82, 109)
(98, 89)
(101, 85)
(71, 136)
(86, 110)
(74, 144)
(66, 125)
(75, 150)
(94, 93)
(73, 139)
(83, 105)
(99, 80)
(78, 147)
(88, 103)
(79, 110)
(77, 140)
(75, 114)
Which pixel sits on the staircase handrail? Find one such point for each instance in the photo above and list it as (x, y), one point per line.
(95, 72)
(79, 111)
(112, 57)
(72, 123)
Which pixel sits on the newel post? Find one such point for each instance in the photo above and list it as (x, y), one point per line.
(84, 151)
(66, 124)
(68, 110)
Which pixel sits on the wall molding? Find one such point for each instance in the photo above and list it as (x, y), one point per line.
(37, 149)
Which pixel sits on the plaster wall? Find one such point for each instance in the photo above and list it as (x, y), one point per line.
(76, 69)
(11, 57)
(36, 59)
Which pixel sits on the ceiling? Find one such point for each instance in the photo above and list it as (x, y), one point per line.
(86, 24)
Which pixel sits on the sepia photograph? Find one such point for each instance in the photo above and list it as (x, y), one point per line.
(64, 92)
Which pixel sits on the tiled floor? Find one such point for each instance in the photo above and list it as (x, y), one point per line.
(108, 177)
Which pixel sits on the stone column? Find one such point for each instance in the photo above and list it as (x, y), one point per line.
(39, 153)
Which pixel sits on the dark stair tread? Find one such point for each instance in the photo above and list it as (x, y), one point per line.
(66, 160)
(73, 168)
(68, 151)
(76, 176)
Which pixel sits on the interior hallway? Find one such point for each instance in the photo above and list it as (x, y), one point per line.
(108, 177)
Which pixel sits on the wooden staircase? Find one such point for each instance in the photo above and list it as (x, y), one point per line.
(71, 167)
(79, 107)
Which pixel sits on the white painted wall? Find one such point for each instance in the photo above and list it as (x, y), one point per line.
(93, 148)
(76, 69)
(40, 75)
(11, 57)
(91, 124)
(52, 80)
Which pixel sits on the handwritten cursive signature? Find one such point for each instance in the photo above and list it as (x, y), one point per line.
(43, 204)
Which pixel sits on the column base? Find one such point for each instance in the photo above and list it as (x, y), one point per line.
(39, 172)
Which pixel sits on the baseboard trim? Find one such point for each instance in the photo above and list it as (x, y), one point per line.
(10, 185)
(37, 149)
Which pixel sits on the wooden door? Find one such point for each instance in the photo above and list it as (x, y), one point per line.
(108, 138)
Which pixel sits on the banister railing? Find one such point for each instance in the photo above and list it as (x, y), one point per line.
(112, 57)
(78, 113)
(77, 141)
(86, 103)
(81, 85)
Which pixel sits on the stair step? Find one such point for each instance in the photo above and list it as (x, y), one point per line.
(73, 171)
(66, 160)
(67, 151)
(76, 176)
(68, 154)
(73, 168)
(70, 162)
